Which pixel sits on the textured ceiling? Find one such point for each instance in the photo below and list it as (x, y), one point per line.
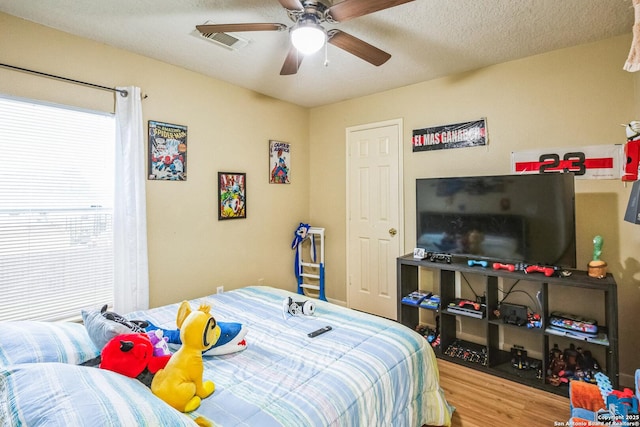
(426, 38)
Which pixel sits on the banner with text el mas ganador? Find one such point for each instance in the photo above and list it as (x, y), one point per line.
(458, 135)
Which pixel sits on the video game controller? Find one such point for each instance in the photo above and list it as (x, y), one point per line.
(548, 271)
(438, 257)
(473, 262)
(500, 266)
(466, 302)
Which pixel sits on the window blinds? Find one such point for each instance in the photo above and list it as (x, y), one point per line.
(56, 202)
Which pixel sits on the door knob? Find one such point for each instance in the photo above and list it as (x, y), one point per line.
(393, 232)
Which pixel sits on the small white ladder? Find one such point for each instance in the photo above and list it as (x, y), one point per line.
(313, 270)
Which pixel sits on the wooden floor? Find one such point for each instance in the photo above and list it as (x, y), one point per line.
(483, 400)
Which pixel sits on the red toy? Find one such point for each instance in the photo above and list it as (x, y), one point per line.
(548, 271)
(467, 302)
(500, 266)
(132, 355)
(632, 154)
(632, 151)
(626, 393)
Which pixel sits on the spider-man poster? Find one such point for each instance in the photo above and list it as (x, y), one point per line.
(167, 151)
(279, 162)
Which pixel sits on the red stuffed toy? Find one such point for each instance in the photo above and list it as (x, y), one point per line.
(632, 151)
(132, 355)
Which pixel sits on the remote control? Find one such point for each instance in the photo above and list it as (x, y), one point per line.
(319, 331)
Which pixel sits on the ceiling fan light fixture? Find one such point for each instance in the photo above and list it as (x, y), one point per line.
(308, 37)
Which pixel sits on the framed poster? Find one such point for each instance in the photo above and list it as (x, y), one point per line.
(232, 195)
(279, 162)
(167, 151)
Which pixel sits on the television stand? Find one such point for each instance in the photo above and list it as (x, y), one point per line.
(493, 345)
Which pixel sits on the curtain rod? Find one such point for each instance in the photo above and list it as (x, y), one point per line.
(122, 92)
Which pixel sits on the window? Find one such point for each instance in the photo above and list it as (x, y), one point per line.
(56, 204)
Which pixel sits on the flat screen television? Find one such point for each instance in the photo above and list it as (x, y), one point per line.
(509, 218)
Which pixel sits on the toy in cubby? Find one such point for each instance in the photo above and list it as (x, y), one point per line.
(555, 367)
(571, 364)
(431, 335)
(468, 352)
(534, 320)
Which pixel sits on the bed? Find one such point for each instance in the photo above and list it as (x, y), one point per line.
(365, 371)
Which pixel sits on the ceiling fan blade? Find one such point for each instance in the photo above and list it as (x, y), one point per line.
(292, 62)
(231, 28)
(291, 4)
(357, 47)
(349, 9)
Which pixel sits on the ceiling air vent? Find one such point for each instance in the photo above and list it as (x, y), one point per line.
(222, 39)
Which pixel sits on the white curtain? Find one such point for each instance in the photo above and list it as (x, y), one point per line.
(131, 290)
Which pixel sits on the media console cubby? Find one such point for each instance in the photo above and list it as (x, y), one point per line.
(490, 336)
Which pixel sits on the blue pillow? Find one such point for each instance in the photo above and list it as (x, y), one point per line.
(61, 395)
(29, 341)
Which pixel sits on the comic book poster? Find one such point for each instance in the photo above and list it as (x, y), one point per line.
(167, 151)
(232, 195)
(279, 162)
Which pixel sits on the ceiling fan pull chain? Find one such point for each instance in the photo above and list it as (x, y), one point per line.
(326, 55)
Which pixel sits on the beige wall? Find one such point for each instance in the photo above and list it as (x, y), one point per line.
(571, 97)
(190, 251)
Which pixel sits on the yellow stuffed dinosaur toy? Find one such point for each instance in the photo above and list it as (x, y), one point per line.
(180, 383)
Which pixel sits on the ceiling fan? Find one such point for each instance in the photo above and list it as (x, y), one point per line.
(307, 16)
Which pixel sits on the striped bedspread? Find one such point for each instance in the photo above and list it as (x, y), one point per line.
(366, 371)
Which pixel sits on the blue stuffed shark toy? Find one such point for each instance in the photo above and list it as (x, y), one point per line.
(231, 338)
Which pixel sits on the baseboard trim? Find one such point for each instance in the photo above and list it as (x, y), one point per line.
(337, 302)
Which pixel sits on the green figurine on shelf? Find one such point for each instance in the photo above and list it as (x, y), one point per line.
(597, 268)
(597, 247)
